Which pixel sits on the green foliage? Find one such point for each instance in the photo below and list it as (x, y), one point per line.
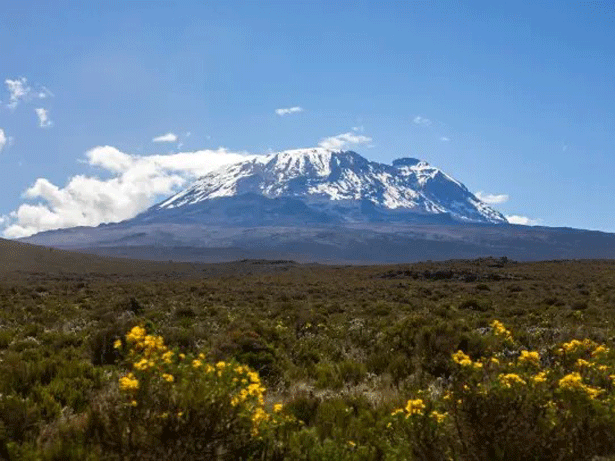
(342, 348)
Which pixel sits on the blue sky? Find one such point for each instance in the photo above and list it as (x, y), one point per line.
(514, 99)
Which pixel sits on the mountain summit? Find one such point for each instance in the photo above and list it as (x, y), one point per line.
(320, 205)
(324, 186)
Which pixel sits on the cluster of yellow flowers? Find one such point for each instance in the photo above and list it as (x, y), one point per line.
(574, 382)
(540, 377)
(533, 358)
(508, 380)
(129, 382)
(575, 346)
(586, 356)
(148, 352)
(438, 416)
(500, 330)
(416, 407)
(465, 361)
(151, 358)
(251, 386)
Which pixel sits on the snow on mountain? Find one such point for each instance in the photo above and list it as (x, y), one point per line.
(328, 180)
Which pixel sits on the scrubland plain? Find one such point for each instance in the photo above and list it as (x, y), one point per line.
(479, 359)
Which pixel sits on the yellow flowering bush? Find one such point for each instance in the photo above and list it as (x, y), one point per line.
(517, 407)
(180, 405)
(423, 427)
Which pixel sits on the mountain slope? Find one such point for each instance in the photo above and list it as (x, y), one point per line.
(323, 186)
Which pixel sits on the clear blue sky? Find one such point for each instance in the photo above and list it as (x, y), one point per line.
(513, 98)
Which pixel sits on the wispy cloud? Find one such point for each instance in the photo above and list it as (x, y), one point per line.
(169, 137)
(20, 91)
(422, 121)
(344, 140)
(289, 110)
(358, 129)
(43, 117)
(135, 183)
(3, 139)
(444, 139)
(523, 220)
(492, 199)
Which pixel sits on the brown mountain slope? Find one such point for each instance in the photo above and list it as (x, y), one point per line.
(18, 259)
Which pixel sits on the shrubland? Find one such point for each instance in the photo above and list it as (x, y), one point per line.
(463, 360)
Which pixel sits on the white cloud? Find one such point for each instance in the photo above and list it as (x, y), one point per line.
(523, 220)
(418, 120)
(358, 129)
(169, 137)
(491, 198)
(135, 183)
(43, 117)
(18, 90)
(44, 93)
(444, 139)
(343, 141)
(288, 111)
(3, 139)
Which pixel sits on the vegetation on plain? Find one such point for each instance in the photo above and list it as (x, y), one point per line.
(463, 360)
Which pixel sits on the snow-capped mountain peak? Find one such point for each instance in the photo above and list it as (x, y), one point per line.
(339, 182)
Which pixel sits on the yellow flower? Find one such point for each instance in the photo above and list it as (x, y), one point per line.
(168, 378)
(500, 330)
(571, 381)
(415, 407)
(136, 334)
(574, 382)
(254, 377)
(129, 382)
(277, 407)
(133, 403)
(575, 345)
(581, 363)
(532, 358)
(494, 361)
(439, 417)
(196, 363)
(117, 344)
(462, 359)
(540, 377)
(509, 379)
(397, 412)
(220, 365)
(167, 356)
(259, 415)
(352, 444)
(600, 350)
(142, 365)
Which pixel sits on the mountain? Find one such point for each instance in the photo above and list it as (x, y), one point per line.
(323, 186)
(326, 206)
